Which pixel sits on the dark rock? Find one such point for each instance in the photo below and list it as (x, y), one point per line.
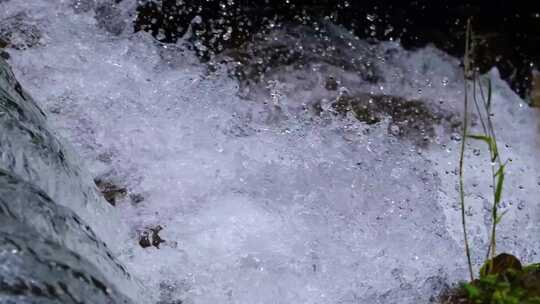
(509, 35)
(144, 239)
(150, 237)
(156, 239)
(294, 46)
(500, 265)
(410, 119)
(4, 55)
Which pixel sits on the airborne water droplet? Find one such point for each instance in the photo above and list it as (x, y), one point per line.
(445, 81)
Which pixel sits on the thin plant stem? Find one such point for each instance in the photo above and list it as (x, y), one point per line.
(495, 159)
(462, 151)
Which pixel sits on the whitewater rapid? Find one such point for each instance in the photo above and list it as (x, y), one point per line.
(261, 199)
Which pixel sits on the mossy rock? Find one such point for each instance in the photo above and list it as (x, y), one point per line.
(413, 120)
(503, 280)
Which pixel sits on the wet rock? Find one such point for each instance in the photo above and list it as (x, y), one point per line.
(144, 239)
(111, 191)
(156, 239)
(510, 35)
(501, 264)
(19, 32)
(409, 119)
(150, 237)
(5, 55)
(296, 47)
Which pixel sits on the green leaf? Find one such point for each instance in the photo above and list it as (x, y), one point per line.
(490, 142)
(485, 138)
(500, 216)
(472, 291)
(489, 95)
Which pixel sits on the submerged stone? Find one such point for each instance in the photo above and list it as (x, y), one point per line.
(409, 119)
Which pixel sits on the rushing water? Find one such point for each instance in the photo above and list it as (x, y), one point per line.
(48, 250)
(323, 176)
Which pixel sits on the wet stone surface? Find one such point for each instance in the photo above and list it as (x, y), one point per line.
(408, 119)
(297, 47)
(150, 237)
(509, 36)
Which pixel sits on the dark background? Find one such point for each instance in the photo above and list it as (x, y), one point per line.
(508, 31)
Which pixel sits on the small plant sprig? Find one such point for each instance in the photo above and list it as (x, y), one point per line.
(482, 97)
(502, 278)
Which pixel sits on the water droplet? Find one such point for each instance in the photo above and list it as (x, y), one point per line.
(455, 137)
(445, 81)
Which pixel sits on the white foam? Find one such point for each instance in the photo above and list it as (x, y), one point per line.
(267, 207)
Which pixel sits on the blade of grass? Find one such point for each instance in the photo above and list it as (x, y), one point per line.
(466, 60)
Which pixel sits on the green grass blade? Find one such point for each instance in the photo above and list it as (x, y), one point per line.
(490, 142)
(489, 92)
(500, 181)
(500, 216)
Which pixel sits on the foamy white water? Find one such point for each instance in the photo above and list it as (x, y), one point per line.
(261, 201)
